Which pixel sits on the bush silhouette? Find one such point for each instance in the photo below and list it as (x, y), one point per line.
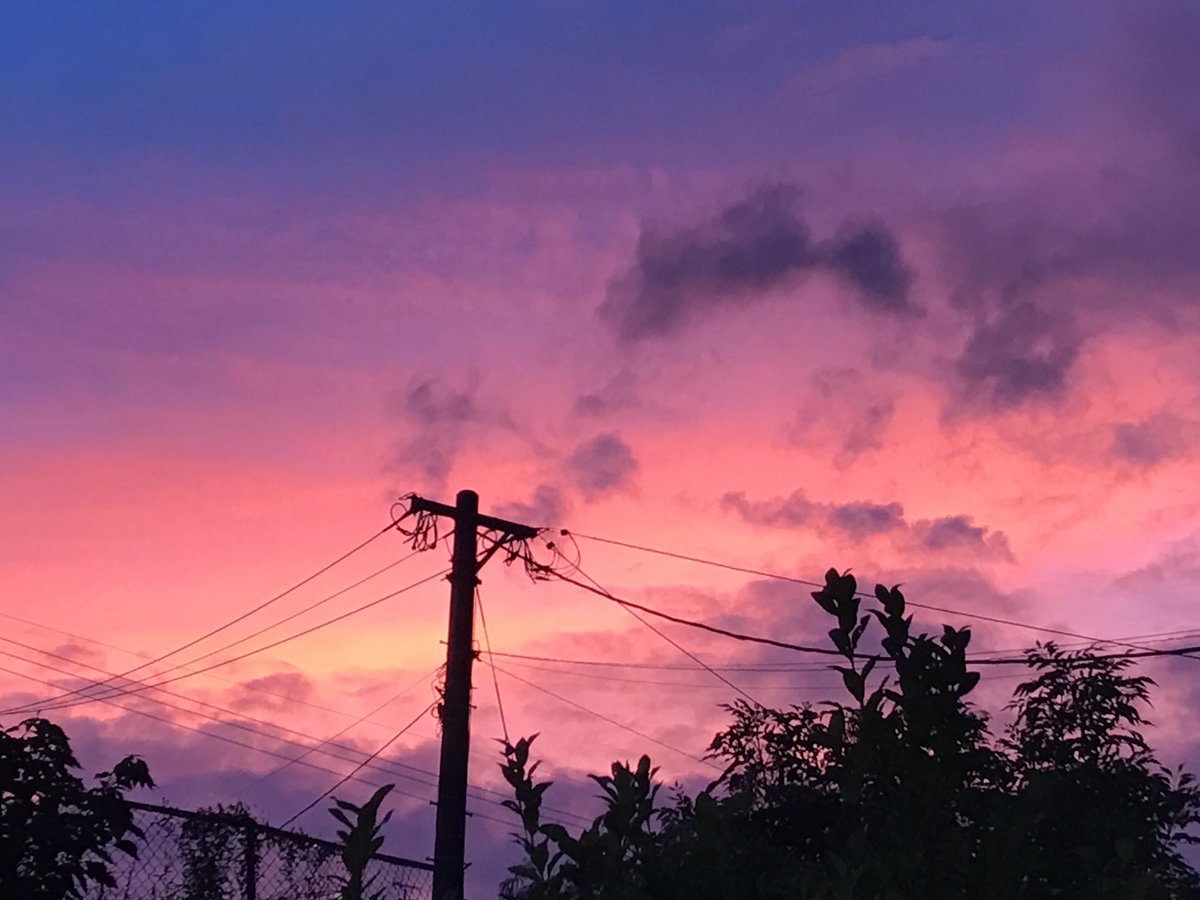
(900, 793)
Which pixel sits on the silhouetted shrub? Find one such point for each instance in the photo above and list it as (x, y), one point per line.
(901, 794)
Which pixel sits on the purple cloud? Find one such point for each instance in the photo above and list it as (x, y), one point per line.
(959, 532)
(277, 691)
(547, 506)
(441, 417)
(1153, 440)
(860, 520)
(750, 248)
(618, 394)
(854, 520)
(1023, 353)
(868, 256)
(602, 465)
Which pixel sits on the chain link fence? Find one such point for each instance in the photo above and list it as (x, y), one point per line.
(188, 855)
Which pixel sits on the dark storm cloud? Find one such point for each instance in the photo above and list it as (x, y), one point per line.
(861, 520)
(1012, 267)
(754, 246)
(603, 464)
(1127, 218)
(855, 519)
(1023, 353)
(868, 257)
(1007, 262)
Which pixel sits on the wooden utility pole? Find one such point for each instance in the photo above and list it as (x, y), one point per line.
(449, 849)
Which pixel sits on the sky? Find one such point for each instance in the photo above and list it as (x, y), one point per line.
(903, 288)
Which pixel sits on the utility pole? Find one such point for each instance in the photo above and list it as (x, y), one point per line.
(449, 849)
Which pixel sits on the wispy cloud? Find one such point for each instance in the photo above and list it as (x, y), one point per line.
(864, 520)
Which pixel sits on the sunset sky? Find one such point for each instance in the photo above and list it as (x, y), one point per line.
(906, 288)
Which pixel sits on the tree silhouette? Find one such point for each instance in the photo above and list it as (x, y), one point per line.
(57, 834)
(900, 793)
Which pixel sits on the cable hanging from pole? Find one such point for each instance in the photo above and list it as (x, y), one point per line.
(487, 640)
(574, 564)
(1185, 652)
(622, 725)
(243, 722)
(362, 765)
(543, 571)
(88, 698)
(229, 624)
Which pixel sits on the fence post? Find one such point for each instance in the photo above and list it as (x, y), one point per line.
(250, 860)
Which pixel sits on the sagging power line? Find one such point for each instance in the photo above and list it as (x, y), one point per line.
(776, 576)
(85, 698)
(45, 704)
(1145, 653)
(243, 722)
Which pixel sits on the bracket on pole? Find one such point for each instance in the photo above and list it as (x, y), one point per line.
(515, 530)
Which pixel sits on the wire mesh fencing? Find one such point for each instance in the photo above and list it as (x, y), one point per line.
(187, 855)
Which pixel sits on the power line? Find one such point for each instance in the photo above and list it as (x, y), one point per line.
(288, 618)
(239, 721)
(395, 737)
(254, 634)
(307, 749)
(495, 678)
(825, 651)
(299, 584)
(241, 640)
(228, 740)
(768, 668)
(389, 768)
(317, 745)
(693, 657)
(617, 664)
(329, 741)
(176, 724)
(258, 689)
(778, 577)
(713, 629)
(601, 716)
(691, 685)
(233, 659)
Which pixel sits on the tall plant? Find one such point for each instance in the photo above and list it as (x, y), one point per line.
(361, 840)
